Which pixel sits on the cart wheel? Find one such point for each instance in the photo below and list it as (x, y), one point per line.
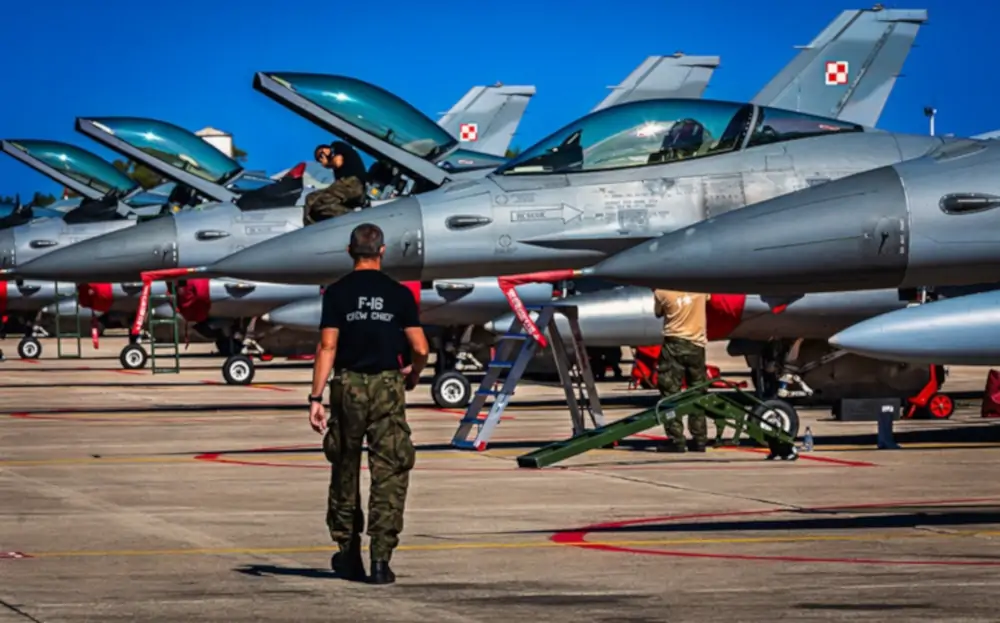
(941, 406)
(780, 414)
(238, 370)
(133, 357)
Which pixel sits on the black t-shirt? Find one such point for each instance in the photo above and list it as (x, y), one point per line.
(353, 164)
(371, 310)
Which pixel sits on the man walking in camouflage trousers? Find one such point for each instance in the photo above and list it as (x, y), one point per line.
(370, 328)
(682, 358)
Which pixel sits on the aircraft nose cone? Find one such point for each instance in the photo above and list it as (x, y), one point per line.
(317, 254)
(113, 257)
(301, 315)
(848, 234)
(7, 247)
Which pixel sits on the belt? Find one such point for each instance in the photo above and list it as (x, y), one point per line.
(341, 372)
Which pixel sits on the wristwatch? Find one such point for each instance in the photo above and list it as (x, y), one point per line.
(316, 398)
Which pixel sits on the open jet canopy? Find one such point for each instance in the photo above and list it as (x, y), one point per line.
(78, 169)
(376, 122)
(108, 193)
(168, 149)
(660, 131)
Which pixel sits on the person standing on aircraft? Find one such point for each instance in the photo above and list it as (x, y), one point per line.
(366, 322)
(348, 189)
(682, 358)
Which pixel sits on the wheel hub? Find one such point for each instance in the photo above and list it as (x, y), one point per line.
(777, 419)
(452, 390)
(239, 371)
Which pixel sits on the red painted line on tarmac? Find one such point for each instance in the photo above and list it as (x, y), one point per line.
(128, 372)
(13, 556)
(812, 457)
(578, 536)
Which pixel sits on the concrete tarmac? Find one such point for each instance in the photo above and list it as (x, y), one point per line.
(126, 496)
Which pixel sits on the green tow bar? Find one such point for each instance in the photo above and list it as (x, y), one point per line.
(740, 411)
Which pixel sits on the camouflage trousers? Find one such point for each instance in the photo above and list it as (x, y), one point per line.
(680, 361)
(368, 407)
(336, 199)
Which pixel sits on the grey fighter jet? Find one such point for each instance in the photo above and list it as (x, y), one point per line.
(607, 182)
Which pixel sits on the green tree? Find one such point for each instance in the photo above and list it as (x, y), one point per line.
(512, 152)
(40, 201)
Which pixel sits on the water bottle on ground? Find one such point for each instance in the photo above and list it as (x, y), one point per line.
(807, 440)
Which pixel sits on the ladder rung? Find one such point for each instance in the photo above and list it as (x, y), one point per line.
(489, 392)
(500, 364)
(513, 336)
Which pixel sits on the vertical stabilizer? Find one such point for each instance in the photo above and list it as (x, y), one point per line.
(657, 77)
(486, 118)
(848, 70)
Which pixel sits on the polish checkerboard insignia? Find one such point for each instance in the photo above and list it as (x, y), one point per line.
(836, 72)
(468, 132)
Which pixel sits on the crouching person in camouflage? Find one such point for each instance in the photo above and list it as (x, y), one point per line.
(369, 322)
(682, 358)
(348, 189)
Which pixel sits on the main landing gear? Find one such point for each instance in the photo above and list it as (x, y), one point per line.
(29, 347)
(450, 388)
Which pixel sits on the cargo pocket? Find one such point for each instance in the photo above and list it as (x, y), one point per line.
(402, 445)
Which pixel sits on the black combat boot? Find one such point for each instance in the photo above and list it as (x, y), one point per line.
(381, 573)
(349, 564)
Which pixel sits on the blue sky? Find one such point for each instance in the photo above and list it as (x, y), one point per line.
(192, 63)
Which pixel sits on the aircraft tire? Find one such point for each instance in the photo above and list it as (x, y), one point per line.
(238, 370)
(29, 348)
(781, 413)
(451, 390)
(133, 357)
